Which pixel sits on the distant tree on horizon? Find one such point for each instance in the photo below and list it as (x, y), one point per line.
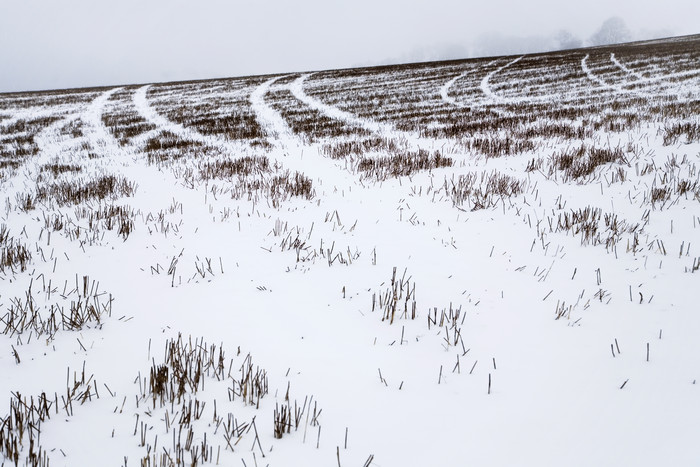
(613, 31)
(566, 40)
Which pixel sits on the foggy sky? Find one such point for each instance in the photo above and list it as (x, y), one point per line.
(53, 44)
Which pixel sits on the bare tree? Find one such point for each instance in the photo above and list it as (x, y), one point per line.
(613, 31)
(566, 40)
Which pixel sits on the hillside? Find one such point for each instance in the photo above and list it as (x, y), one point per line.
(479, 262)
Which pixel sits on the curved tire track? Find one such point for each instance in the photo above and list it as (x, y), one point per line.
(297, 88)
(445, 89)
(163, 124)
(624, 68)
(641, 79)
(289, 150)
(103, 138)
(287, 153)
(411, 140)
(486, 87)
(268, 118)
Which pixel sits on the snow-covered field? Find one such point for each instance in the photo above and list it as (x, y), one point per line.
(482, 262)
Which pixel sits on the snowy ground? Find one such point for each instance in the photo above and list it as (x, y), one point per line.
(488, 262)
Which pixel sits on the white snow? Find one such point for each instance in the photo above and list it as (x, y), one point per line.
(293, 285)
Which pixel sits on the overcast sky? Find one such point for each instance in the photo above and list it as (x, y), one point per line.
(52, 44)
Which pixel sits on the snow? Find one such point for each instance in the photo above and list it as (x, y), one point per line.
(514, 386)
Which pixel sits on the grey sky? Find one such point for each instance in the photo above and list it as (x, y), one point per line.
(49, 44)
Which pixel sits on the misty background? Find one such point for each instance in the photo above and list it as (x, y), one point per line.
(55, 44)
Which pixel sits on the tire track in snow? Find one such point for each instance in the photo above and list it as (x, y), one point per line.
(486, 87)
(643, 80)
(287, 153)
(652, 79)
(52, 144)
(410, 139)
(144, 108)
(590, 75)
(445, 89)
(622, 67)
(638, 79)
(617, 87)
(444, 93)
(101, 136)
(606, 85)
(289, 150)
(335, 177)
(297, 88)
(128, 160)
(56, 146)
(151, 115)
(267, 117)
